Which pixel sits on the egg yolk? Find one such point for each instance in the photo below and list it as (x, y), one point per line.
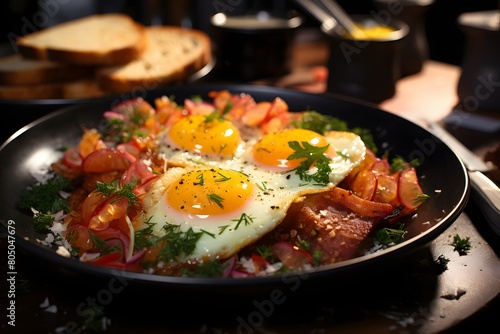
(208, 192)
(273, 149)
(205, 135)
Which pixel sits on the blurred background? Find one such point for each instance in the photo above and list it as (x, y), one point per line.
(445, 40)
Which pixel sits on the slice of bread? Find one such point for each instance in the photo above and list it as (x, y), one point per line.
(77, 89)
(27, 92)
(18, 71)
(100, 39)
(82, 89)
(172, 54)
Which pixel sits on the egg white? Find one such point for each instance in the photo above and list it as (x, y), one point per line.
(224, 235)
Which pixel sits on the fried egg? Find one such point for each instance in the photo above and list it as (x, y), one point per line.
(237, 190)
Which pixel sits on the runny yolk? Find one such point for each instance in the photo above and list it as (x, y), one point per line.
(273, 149)
(202, 134)
(209, 192)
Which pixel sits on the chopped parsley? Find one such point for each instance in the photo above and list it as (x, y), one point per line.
(461, 245)
(313, 120)
(313, 156)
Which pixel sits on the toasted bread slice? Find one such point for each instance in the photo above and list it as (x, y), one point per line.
(18, 71)
(173, 53)
(82, 89)
(100, 39)
(40, 91)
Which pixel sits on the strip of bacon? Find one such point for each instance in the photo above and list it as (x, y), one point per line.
(334, 222)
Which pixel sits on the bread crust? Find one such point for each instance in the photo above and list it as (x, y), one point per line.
(18, 71)
(46, 44)
(160, 64)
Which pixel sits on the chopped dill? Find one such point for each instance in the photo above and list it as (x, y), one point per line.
(46, 197)
(42, 222)
(266, 252)
(389, 236)
(209, 269)
(113, 189)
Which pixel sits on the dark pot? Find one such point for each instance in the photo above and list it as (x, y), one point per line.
(249, 48)
(365, 69)
(479, 83)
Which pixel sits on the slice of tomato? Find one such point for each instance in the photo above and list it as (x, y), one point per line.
(107, 160)
(387, 189)
(409, 191)
(365, 184)
(290, 256)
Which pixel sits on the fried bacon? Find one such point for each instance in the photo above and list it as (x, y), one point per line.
(334, 223)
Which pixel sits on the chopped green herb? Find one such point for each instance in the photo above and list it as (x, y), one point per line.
(177, 242)
(461, 245)
(46, 197)
(313, 120)
(389, 236)
(201, 179)
(222, 178)
(245, 219)
(314, 156)
(216, 199)
(209, 269)
(113, 189)
(42, 222)
(265, 252)
(398, 164)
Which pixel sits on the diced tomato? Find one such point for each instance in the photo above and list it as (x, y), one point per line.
(78, 236)
(114, 208)
(254, 116)
(90, 142)
(198, 107)
(259, 263)
(290, 256)
(107, 160)
(90, 205)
